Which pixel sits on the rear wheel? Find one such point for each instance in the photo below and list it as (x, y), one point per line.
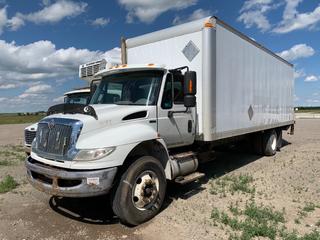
(279, 140)
(269, 143)
(139, 195)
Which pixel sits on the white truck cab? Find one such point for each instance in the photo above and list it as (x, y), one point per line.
(147, 123)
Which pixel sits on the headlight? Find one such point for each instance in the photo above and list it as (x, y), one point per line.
(93, 154)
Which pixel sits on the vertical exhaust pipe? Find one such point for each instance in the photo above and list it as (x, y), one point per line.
(123, 51)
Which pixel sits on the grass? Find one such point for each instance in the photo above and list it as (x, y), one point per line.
(257, 221)
(8, 184)
(16, 119)
(232, 184)
(253, 221)
(308, 110)
(309, 207)
(11, 155)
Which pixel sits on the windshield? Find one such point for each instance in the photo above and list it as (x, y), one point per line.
(77, 98)
(130, 88)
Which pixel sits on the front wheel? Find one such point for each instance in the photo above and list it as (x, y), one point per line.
(139, 195)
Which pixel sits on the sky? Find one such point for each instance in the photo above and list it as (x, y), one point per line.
(43, 42)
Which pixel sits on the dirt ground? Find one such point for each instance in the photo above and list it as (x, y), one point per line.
(287, 182)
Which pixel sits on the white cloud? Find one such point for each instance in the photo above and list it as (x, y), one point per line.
(100, 22)
(7, 86)
(39, 65)
(197, 14)
(39, 89)
(293, 20)
(41, 60)
(297, 51)
(58, 99)
(253, 13)
(3, 18)
(313, 101)
(148, 10)
(15, 23)
(311, 78)
(49, 14)
(299, 73)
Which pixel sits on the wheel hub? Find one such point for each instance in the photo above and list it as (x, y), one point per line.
(145, 190)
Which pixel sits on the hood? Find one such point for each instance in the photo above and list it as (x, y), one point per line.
(32, 127)
(109, 115)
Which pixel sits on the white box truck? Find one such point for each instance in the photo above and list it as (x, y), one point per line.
(180, 92)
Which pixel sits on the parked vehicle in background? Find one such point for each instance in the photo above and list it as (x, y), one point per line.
(77, 96)
(179, 93)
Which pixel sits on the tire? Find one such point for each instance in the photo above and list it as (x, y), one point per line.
(279, 140)
(269, 143)
(257, 143)
(140, 192)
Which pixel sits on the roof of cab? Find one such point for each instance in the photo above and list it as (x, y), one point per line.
(129, 67)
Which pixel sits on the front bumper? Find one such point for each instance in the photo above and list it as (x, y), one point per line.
(68, 182)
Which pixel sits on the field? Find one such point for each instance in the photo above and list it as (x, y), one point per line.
(14, 118)
(308, 110)
(243, 196)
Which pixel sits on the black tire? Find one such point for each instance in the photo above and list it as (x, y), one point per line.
(145, 176)
(269, 143)
(257, 143)
(279, 140)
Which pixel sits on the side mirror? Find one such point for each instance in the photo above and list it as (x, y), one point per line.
(190, 89)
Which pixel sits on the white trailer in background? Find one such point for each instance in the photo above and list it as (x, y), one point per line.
(179, 93)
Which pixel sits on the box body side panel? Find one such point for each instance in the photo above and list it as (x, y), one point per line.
(254, 90)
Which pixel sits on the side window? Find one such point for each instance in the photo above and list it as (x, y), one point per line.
(167, 93)
(178, 82)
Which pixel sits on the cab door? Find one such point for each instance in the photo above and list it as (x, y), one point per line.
(175, 125)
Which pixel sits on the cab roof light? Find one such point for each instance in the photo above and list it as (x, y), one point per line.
(151, 65)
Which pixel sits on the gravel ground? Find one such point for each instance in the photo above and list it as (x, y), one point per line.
(287, 182)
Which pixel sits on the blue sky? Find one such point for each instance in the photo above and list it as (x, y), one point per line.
(43, 42)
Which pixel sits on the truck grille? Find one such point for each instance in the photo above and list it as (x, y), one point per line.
(29, 136)
(53, 138)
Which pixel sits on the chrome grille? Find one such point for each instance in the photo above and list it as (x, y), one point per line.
(53, 139)
(29, 136)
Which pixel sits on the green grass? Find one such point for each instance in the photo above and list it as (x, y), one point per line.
(16, 119)
(256, 221)
(309, 207)
(8, 184)
(11, 155)
(262, 213)
(308, 110)
(232, 184)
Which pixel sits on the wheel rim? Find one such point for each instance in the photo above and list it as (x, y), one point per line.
(145, 190)
(274, 142)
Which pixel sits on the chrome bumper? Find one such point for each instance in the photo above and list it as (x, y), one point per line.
(67, 182)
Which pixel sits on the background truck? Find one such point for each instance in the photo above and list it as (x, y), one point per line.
(77, 96)
(179, 93)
